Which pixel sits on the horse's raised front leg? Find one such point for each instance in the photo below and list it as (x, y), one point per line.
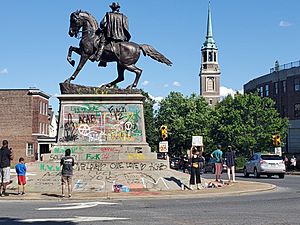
(120, 77)
(137, 72)
(81, 63)
(69, 57)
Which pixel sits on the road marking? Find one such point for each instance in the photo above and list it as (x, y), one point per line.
(74, 219)
(82, 205)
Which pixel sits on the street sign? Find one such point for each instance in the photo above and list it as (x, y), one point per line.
(197, 141)
(163, 146)
(278, 151)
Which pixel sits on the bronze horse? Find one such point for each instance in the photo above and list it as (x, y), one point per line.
(126, 54)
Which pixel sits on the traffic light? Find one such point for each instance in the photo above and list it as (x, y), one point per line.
(164, 132)
(276, 140)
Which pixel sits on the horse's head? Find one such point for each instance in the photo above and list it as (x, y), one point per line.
(75, 24)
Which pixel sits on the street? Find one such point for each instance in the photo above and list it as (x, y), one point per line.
(275, 207)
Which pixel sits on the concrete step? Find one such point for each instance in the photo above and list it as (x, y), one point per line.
(100, 156)
(119, 165)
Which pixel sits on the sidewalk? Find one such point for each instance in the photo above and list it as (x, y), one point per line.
(239, 188)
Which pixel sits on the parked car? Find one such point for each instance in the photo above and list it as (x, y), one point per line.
(175, 163)
(210, 165)
(161, 155)
(265, 164)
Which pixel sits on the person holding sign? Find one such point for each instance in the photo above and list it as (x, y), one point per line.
(196, 166)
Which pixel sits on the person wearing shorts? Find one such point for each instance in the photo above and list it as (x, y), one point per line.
(21, 173)
(217, 156)
(67, 163)
(5, 158)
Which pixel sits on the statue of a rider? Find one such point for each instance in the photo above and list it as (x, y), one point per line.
(114, 26)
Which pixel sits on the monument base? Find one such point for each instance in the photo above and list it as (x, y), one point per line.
(106, 136)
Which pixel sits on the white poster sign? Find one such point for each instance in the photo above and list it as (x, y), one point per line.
(163, 146)
(197, 141)
(278, 151)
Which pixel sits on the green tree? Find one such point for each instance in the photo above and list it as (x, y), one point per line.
(247, 122)
(185, 117)
(151, 130)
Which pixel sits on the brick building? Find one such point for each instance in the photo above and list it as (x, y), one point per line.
(25, 121)
(282, 84)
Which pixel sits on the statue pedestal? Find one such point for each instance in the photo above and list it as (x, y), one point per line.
(105, 121)
(106, 135)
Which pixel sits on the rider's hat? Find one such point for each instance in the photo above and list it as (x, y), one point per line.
(114, 5)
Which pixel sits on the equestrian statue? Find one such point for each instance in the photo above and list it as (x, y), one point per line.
(108, 42)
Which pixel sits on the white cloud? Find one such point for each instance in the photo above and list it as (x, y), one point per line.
(145, 83)
(283, 23)
(224, 91)
(166, 85)
(4, 71)
(156, 99)
(176, 84)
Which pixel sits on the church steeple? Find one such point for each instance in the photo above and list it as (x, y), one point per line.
(209, 42)
(210, 71)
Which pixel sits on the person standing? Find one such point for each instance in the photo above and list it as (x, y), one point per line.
(5, 158)
(230, 163)
(195, 168)
(217, 156)
(293, 163)
(286, 162)
(67, 163)
(185, 164)
(21, 173)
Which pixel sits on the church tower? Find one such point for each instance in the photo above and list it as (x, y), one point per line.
(210, 71)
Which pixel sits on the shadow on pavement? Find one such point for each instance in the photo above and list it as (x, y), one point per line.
(14, 221)
(174, 179)
(51, 195)
(262, 177)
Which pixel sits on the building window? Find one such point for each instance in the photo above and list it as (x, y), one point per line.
(210, 85)
(210, 101)
(261, 91)
(297, 110)
(210, 57)
(41, 107)
(215, 56)
(284, 86)
(267, 90)
(29, 149)
(276, 88)
(297, 84)
(204, 56)
(46, 109)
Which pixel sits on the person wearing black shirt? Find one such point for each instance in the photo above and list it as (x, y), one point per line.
(5, 158)
(230, 163)
(67, 163)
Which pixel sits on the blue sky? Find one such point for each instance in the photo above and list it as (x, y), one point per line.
(250, 35)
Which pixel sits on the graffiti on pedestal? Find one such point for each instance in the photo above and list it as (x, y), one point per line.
(101, 123)
(99, 176)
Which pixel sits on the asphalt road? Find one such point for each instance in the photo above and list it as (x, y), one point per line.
(277, 207)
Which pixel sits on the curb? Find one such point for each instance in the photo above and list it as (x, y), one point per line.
(236, 189)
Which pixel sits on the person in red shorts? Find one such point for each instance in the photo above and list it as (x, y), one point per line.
(21, 172)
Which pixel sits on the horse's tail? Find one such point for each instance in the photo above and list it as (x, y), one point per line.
(154, 54)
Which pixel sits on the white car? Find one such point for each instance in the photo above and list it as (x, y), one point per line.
(265, 164)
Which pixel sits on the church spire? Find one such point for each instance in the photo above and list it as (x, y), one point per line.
(210, 71)
(209, 42)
